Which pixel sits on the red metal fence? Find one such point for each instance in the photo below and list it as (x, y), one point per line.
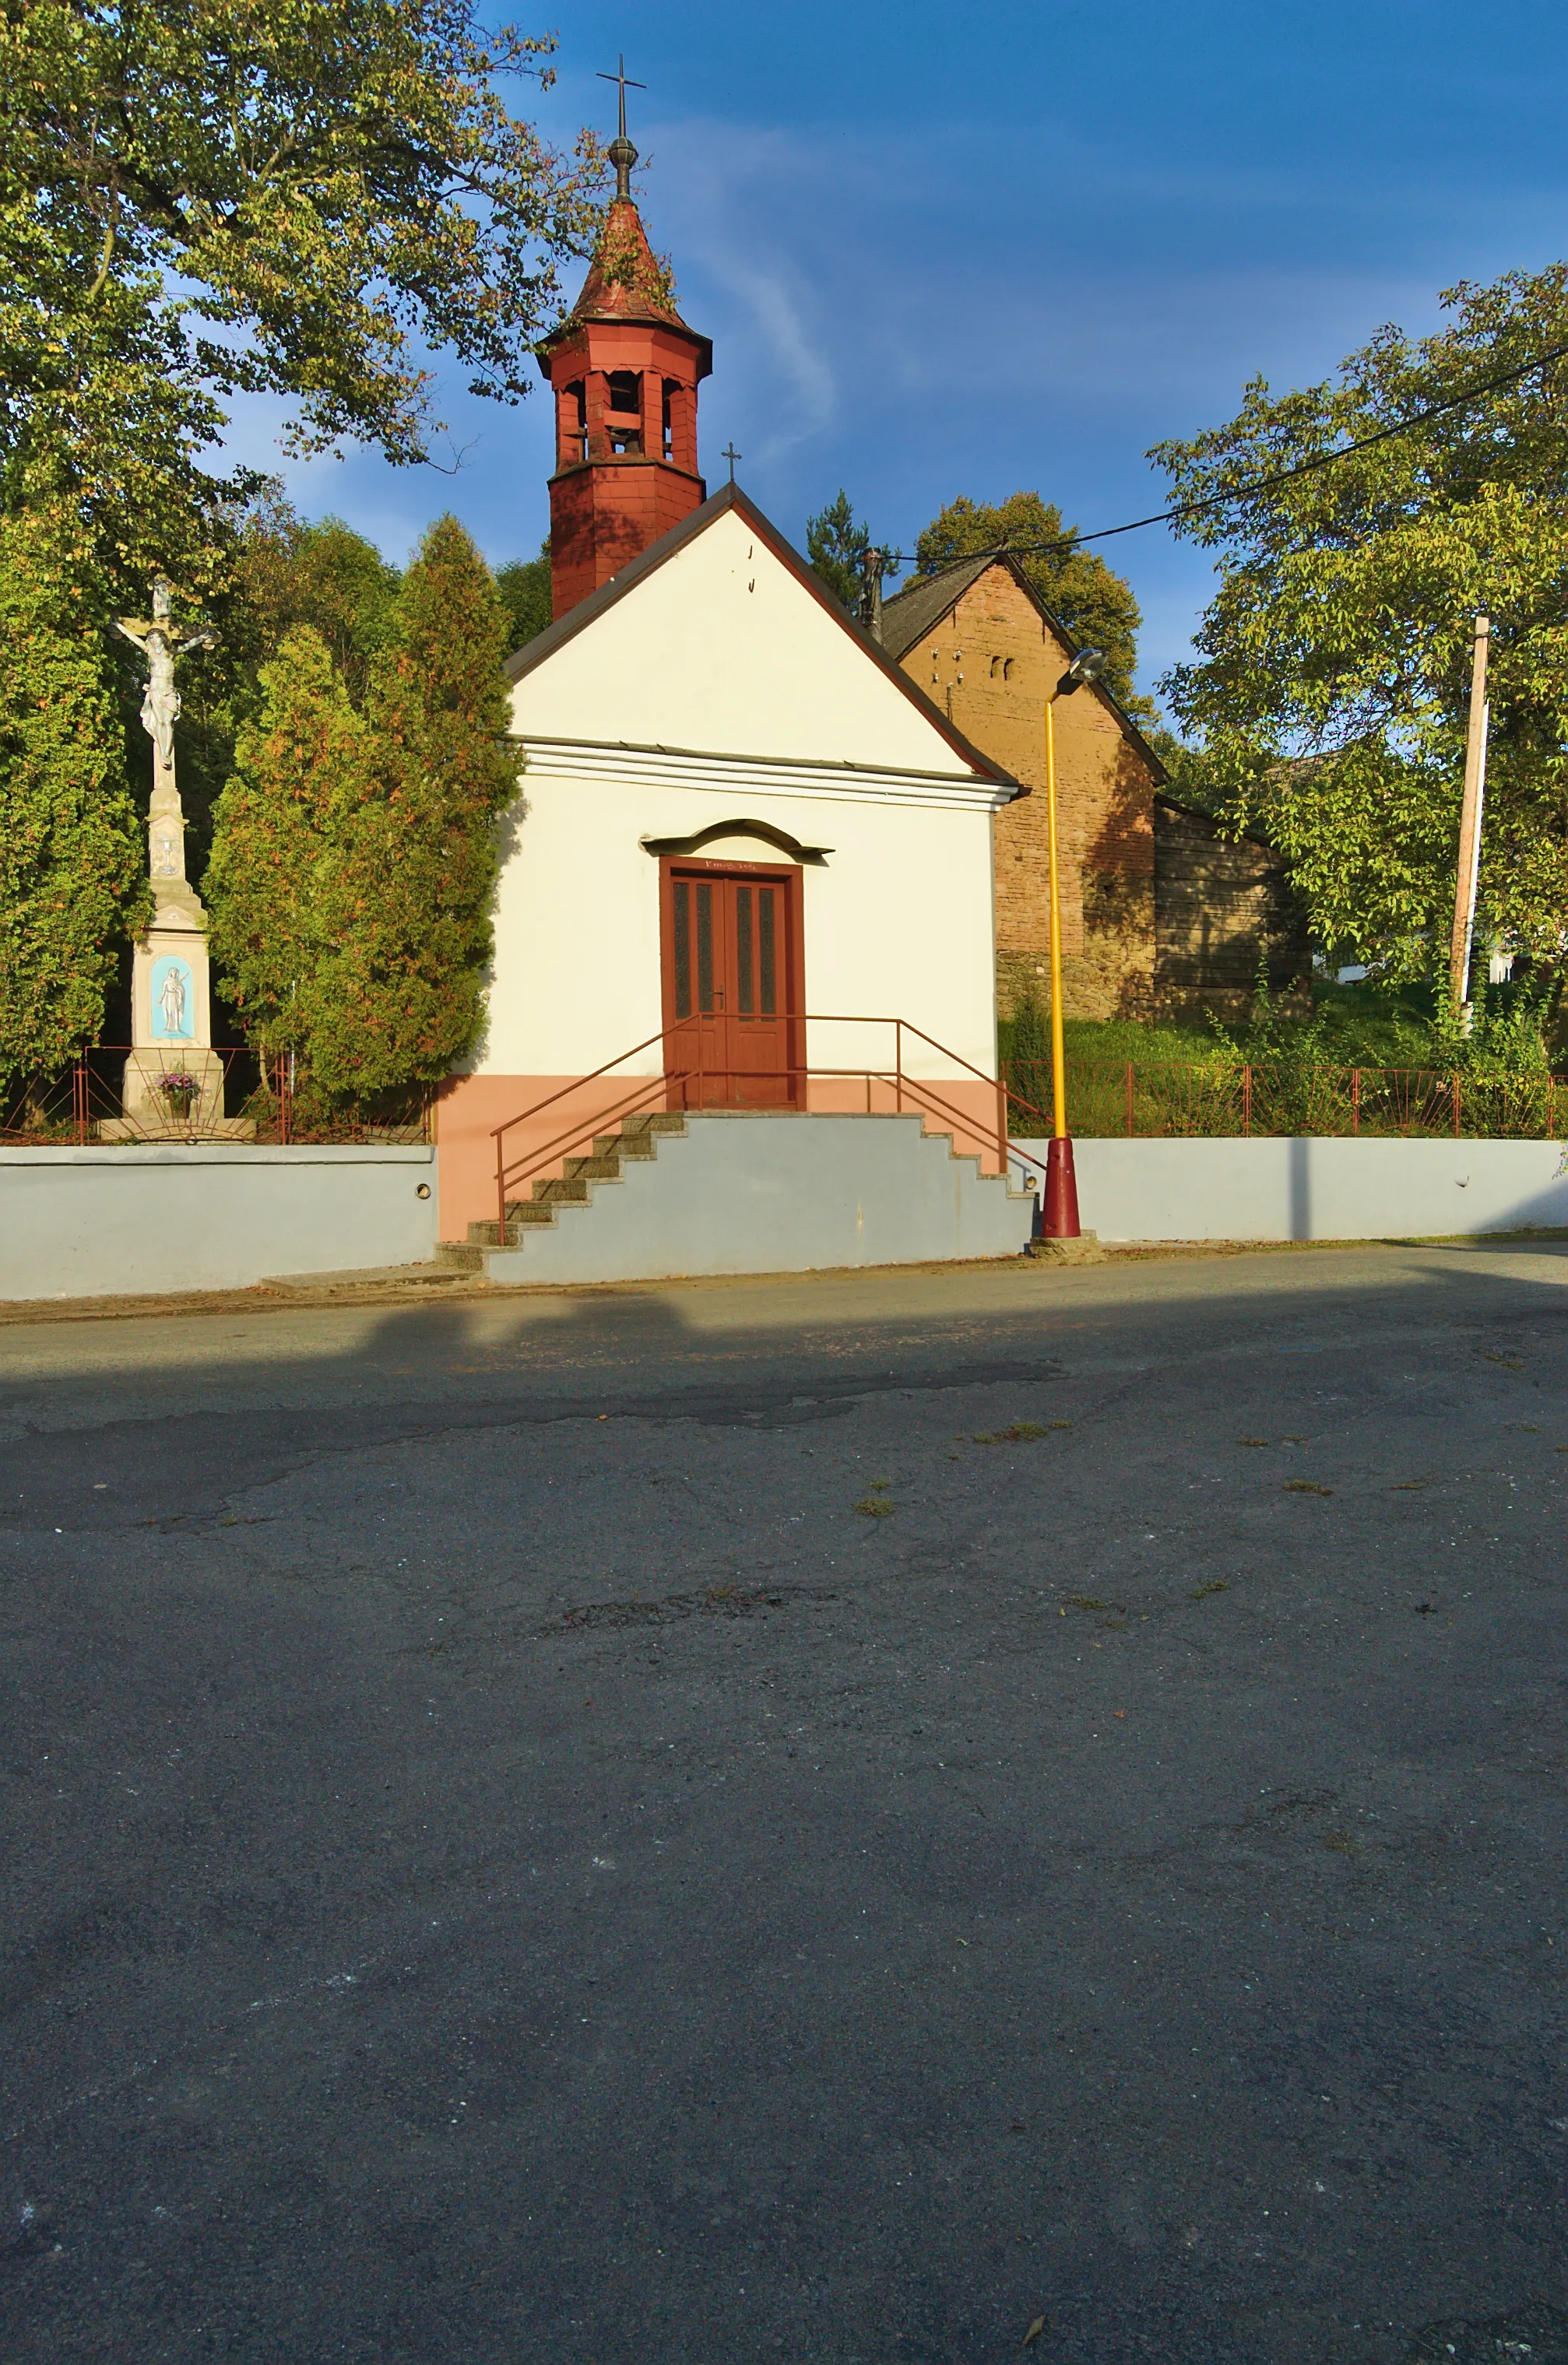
(189, 1094)
(1149, 1099)
(1143, 1099)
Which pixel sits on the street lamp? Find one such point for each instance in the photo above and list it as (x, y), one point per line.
(1061, 1222)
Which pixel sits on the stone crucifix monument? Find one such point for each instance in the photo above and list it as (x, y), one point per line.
(174, 1079)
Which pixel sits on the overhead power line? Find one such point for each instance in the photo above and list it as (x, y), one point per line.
(1277, 477)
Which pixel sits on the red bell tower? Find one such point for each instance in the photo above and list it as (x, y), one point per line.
(625, 369)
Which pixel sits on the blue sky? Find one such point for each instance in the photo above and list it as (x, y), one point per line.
(963, 249)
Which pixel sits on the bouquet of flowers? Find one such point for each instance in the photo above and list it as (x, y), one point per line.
(181, 1089)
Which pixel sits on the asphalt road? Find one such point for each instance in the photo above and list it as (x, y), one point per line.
(827, 1820)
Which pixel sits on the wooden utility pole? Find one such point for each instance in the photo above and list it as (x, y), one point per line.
(872, 569)
(1470, 823)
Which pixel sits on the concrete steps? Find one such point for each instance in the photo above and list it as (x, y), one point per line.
(719, 1191)
(637, 1140)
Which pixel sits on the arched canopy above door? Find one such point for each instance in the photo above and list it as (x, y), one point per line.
(779, 839)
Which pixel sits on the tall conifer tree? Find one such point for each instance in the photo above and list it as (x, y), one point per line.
(354, 858)
(306, 754)
(838, 546)
(407, 883)
(73, 866)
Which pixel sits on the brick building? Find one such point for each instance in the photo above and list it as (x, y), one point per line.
(1159, 913)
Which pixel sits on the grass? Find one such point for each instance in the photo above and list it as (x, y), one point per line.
(1363, 1024)
(1127, 1038)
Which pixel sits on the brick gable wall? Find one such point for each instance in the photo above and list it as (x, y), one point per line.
(991, 664)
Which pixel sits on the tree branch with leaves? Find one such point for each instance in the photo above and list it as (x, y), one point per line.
(1330, 686)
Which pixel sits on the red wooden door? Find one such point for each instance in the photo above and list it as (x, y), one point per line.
(730, 959)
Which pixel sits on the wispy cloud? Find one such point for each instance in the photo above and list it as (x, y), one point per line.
(721, 210)
(976, 278)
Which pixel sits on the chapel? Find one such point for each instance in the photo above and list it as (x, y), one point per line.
(763, 860)
(750, 864)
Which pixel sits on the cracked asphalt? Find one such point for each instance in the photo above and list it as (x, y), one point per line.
(897, 1817)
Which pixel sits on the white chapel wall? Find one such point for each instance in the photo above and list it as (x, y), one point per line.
(898, 921)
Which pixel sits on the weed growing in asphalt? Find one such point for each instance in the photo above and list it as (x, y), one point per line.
(1019, 1432)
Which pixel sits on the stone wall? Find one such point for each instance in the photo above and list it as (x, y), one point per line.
(1219, 905)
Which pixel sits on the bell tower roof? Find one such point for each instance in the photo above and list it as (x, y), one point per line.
(626, 281)
(624, 369)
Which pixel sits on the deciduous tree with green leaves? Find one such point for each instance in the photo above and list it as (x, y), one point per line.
(324, 576)
(303, 201)
(300, 200)
(73, 858)
(1331, 684)
(1093, 604)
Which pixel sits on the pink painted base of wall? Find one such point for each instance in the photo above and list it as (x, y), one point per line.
(472, 1107)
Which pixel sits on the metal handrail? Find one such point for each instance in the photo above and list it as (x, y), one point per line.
(659, 1086)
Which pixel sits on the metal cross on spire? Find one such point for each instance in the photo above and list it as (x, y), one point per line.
(622, 156)
(731, 455)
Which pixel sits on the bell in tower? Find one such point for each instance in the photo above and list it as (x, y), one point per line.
(624, 369)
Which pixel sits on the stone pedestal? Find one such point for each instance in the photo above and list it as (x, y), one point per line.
(174, 1079)
(1082, 1249)
(160, 1106)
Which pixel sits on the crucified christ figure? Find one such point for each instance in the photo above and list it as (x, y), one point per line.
(161, 643)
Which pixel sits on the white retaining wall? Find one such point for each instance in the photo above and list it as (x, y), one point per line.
(1315, 1188)
(734, 1194)
(133, 1218)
